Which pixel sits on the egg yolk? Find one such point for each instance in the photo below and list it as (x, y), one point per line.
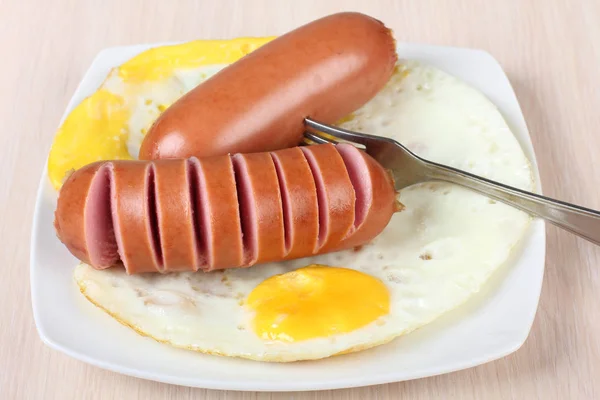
(98, 128)
(95, 130)
(160, 62)
(316, 301)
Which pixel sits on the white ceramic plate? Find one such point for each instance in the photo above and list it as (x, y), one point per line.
(491, 325)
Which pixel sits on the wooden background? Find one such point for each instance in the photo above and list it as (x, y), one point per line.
(551, 52)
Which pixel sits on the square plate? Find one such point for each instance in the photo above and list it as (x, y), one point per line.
(491, 325)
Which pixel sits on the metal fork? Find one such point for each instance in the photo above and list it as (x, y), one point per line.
(408, 169)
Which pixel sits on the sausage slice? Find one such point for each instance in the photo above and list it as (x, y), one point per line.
(133, 207)
(261, 208)
(175, 216)
(299, 200)
(218, 215)
(335, 194)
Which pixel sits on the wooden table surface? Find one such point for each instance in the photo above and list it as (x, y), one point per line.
(550, 50)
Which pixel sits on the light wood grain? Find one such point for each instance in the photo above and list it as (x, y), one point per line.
(551, 52)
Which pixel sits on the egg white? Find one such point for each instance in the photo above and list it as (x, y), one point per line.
(432, 256)
(146, 100)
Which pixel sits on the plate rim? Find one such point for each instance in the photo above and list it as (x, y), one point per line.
(248, 385)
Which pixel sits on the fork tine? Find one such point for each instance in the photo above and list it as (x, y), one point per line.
(315, 127)
(306, 142)
(318, 139)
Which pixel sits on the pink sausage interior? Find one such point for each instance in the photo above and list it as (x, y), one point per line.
(201, 211)
(285, 201)
(115, 219)
(136, 257)
(198, 218)
(153, 217)
(360, 178)
(247, 210)
(99, 232)
(299, 202)
(321, 196)
(106, 245)
(175, 211)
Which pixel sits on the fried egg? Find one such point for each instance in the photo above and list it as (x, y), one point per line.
(111, 123)
(434, 255)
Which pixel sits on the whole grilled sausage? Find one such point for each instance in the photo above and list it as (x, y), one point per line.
(325, 69)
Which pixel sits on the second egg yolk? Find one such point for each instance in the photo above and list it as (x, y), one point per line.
(316, 301)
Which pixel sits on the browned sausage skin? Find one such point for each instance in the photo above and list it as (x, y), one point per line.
(83, 218)
(299, 200)
(133, 204)
(335, 195)
(218, 216)
(375, 196)
(260, 206)
(325, 69)
(226, 211)
(176, 224)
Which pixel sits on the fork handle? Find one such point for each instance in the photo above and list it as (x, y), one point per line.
(581, 221)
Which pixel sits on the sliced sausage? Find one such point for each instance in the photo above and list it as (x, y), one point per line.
(218, 215)
(261, 208)
(375, 195)
(299, 200)
(335, 194)
(325, 69)
(136, 231)
(175, 216)
(224, 212)
(83, 216)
